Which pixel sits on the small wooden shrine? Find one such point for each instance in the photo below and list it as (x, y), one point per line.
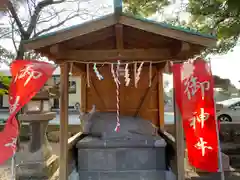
(137, 42)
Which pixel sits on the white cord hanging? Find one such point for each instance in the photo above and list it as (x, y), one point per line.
(135, 74)
(150, 74)
(71, 69)
(88, 79)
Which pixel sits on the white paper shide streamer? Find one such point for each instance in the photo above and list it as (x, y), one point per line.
(99, 76)
(117, 82)
(139, 69)
(126, 75)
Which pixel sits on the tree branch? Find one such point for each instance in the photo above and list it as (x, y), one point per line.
(34, 17)
(16, 18)
(56, 26)
(12, 33)
(55, 15)
(29, 8)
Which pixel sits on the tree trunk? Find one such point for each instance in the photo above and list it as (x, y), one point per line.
(20, 51)
(19, 56)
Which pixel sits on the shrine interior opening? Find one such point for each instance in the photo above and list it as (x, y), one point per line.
(97, 46)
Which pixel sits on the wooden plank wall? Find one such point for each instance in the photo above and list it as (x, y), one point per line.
(142, 101)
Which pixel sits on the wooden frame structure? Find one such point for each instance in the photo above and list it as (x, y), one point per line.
(105, 40)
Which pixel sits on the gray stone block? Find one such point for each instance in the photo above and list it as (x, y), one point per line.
(134, 141)
(97, 159)
(127, 175)
(132, 159)
(140, 159)
(119, 176)
(87, 175)
(161, 159)
(131, 154)
(120, 159)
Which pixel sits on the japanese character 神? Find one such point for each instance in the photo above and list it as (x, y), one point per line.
(201, 118)
(193, 85)
(28, 71)
(201, 144)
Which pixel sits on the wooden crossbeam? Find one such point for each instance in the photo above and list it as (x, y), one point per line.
(121, 54)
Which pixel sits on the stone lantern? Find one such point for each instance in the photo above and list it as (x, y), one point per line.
(41, 163)
(38, 104)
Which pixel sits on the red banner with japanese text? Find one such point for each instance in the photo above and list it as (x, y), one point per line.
(28, 77)
(194, 98)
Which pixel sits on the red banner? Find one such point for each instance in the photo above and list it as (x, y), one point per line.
(194, 96)
(28, 77)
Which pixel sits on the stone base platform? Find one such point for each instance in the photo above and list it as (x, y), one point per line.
(129, 159)
(127, 175)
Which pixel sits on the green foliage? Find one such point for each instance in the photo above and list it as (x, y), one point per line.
(144, 8)
(217, 16)
(5, 55)
(220, 17)
(5, 82)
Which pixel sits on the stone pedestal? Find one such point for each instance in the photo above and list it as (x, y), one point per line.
(134, 153)
(122, 159)
(40, 162)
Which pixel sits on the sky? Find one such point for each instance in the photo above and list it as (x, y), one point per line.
(225, 66)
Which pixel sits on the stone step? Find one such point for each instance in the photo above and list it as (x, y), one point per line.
(230, 148)
(235, 161)
(126, 175)
(121, 159)
(37, 170)
(216, 176)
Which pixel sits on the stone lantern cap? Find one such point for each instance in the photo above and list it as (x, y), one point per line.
(37, 117)
(41, 95)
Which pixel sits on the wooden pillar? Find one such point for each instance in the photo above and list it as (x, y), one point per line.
(160, 98)
(64, 78)
(180, 144)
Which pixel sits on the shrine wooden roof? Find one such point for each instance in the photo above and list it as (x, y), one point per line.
(148, 39)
